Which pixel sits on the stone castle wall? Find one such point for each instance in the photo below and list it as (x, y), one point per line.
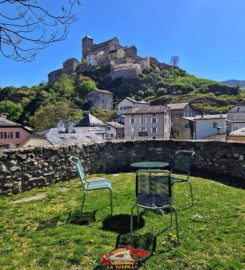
(24, 169)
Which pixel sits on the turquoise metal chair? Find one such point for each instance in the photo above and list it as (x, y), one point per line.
(181, 168)
(98, 184)
(154, 192)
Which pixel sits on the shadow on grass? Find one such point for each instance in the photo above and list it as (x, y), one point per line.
(47, 223)
(222, 178)
(121, 223)
(81, 218)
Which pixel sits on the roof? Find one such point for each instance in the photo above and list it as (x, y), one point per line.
(236, 114)
(115, 124)
(87, 37)
(206, 117)
(101, 91)
(4, 122)
(239, 132)
(147, 110)
(90, 120)
(177, 106)
(82, 134)
(135, 101)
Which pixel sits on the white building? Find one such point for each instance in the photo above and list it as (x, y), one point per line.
(147, 122)
(207, 125)
(129, 103)
(114, 130)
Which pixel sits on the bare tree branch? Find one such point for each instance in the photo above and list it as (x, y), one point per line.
(26, 27)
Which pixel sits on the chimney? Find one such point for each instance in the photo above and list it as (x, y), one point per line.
(69, 127)
(60, 125)
(3, 116)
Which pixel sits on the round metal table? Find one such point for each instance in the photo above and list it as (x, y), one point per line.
(149, 164)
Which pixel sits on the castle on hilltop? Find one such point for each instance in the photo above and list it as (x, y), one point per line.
(123, 61)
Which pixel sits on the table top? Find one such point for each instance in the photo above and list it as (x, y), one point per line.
(149, 164)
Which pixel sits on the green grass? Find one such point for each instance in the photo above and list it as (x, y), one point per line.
(211, 232)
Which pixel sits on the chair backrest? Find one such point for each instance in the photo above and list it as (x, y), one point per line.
(182, 161)
(80, 170)
(153, 188)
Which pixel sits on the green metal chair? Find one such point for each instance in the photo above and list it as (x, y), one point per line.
(154, 192)
(181, 168)
(98, 184)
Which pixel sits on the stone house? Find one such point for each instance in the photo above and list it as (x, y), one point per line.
(148, 122)
(207, 125)
(101, 99)
(181, 127)
(12, 134)
(114, 130)
(129, 103)
(236, 118)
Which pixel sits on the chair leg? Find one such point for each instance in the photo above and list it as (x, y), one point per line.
(192, 200)
(111, 201)
(132, 220)
(176, 223)
(138, 215)
(84, 196)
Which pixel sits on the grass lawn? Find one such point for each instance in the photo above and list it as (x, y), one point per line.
(211, 233)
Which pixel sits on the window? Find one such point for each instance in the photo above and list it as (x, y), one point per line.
(17, 135)
(142, 129)
(1, 135)
(154, 130)
(132, 137)
(154, 120)
(153, 138)
(132, 120)
(215, 124)
(5, 135)
(121, 108)
(108, 128)
(187, 125)
(111, 135)
(143, 120)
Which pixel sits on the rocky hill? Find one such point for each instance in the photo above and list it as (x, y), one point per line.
(235, 83)
(39, 106)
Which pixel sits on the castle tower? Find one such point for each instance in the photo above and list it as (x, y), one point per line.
(87, 44)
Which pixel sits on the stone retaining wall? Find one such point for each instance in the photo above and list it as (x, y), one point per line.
(24, 169)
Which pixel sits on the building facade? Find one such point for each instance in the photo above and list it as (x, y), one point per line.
(148, 122)
(101, 99)
(236, 118)
(12, 134)
(129, 103)
(208, 125)
(181, 128)
(114, 131)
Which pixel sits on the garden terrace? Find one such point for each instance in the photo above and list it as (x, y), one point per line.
(35, 234)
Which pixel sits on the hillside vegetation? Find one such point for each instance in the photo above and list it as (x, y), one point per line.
(40, 106)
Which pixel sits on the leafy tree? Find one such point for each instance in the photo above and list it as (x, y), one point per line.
(85, 87)
(65, 87)
(11, 109)
(46, 117)
(28, 26)
(174, 60)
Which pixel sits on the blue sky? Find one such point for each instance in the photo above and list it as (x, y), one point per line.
(207, 35)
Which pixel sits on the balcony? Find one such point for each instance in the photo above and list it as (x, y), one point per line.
(142, 133)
